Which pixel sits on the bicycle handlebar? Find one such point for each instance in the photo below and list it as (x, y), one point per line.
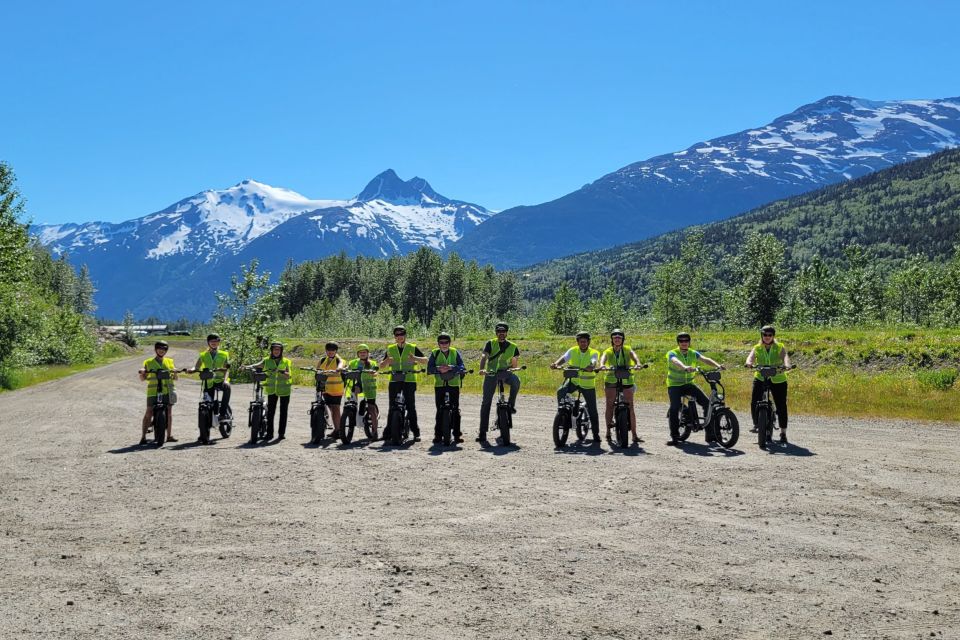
(493, 373)
(777, 367)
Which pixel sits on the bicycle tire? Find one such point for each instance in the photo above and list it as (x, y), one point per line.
(318, 423)
(506, 422)
(204, 423)
(583, 424)
(396, 428)
(726, 427)
(253, 421)
(561, 429)
(446, 425)
(622, 424)
(763, 426)
(348, 421)
(688, 418)
(160, 424)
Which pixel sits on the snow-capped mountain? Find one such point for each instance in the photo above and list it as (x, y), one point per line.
(828, 141)
(169, 263)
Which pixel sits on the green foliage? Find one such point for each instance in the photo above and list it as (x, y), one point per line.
(247, 316)
(565, 311)
(939, 379)
(686, 292)
(129, 336)
(759, 277)
(14, 252)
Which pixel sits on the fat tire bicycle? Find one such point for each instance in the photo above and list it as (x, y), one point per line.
(208, 411)
(257, 413)
(504, 419)
(766, 408)
(720, 423)
(571, 412)
(354, 408)
(448, 417)
(161, 409)
(398, 421)
(318, 408)
(621, 408)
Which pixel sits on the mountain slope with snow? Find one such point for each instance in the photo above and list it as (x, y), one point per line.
(828, 141)
(169, 263)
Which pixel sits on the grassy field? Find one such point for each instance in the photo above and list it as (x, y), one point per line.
(19, 378)
(880, 373)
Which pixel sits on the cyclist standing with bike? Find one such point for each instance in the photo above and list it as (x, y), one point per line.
(158, 363)
(401, 356)
(443, 359)
(619, 355)
(368, 382)
(277, 387)
(588, 360)
(215, 358)
(497, 355)
(770, 353)
(681, 365)
(333, 390)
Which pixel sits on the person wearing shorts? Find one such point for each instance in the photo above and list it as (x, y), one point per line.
(333, 389)
(160, 361)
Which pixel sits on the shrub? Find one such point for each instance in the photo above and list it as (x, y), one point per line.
(939, 379)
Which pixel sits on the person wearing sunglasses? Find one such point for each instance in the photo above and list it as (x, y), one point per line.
(444, 359)
(218, 361)
(497, 355)
(681, 366)
(403, 356)
(770, 353)
(159, 362)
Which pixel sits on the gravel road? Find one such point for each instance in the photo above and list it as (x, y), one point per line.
(852, 532)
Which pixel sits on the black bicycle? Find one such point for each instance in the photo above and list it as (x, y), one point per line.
(161, 410)
(354, 408)
(571, 412)
(621, 408)
(208, 412)
(720, 423)
(448, 417)
(504, 420)
(398, 423)
(257, 413)
(766, 409)
(318, 408)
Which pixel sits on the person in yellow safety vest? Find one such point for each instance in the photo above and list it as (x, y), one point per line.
(216, 358)
(442, 360)
(402, 356)
(161, 361)
(681, 365)
(619, 355)
(333, 389)
(498, 355)
(368, 384)
(277, 387)
(770, 353)
(587, 359)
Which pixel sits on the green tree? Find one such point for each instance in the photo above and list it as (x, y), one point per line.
(759, 272)
(247, 315)
(564, 312)
(606, 312)
(685, 289)
(15, 255)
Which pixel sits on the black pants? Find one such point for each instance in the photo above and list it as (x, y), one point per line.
(224, 398)
(676, 395)
(272, 410)
(490, 387)
(779, 390)
(410, 397)
(589, 398)
(439, 393)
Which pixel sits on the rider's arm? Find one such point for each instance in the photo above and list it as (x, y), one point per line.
(709, 361)
(786, 359)
(460, 366)
(633, 355)
(603, 359)
(562, 360)
(143, 374)
(753, 356)
(418, 356)
(196, 367)
(515, 359)
(341, 364)
(432, 364)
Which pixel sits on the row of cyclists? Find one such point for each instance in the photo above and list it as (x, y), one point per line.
(499, 361)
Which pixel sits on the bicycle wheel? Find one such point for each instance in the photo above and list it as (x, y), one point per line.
(347, 423)
(318, 423)
(622, 423)
(726, 427)
(253, 421)
(226, 425)
(583, 424)
(446, 425)
(204, 422)
(160, 424)
(561, 429)
(688, 418)
(396, 428)
(763, 426)
(506, 422)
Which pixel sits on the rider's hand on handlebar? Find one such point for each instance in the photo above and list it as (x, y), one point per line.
(689, 369)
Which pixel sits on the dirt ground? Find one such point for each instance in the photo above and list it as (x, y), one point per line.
(852, 532)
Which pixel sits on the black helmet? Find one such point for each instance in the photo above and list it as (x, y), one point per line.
(400, 329)
(683, 335)
(768, 328)
(618, 332)
(444, 337)
(583, 334)
(161, 343)
(331, 346)
(213, 336)
(501, 325)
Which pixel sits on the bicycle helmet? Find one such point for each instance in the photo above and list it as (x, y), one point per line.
(583, 334)
(161, 343)
(363, 347)
(400, 329)
(683, 335)
(501, 326)
(618, 332)
(213, 336)
(768, 328)
(331, 346)
(276, 344)
(444, 337)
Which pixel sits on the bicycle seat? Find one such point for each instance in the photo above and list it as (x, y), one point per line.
(398, 376)
(320, 377)
(503, 374)
(353, 375)
(571, 373)
(206, 374)
(449, 375)
(712, 376)
(162, 374)
(259, 376)
(768, 372)
(621, 373)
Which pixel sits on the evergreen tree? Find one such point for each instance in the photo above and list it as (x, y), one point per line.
(759, 274)
(565, 310)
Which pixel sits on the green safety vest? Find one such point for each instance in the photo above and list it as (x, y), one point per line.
(502, 361)
(621, 359)
(679, 377)
(451, 360)
(153, 365)
(277, 385)
(581, 359)
(772, 358)
(400, 359)
(207, 361)
(368, 381)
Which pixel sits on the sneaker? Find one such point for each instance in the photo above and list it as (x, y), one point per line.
(673, 443)
(783, 437)
(281, 437)
(513, 409)
(458, 440)
(172, 439)
(143, 441)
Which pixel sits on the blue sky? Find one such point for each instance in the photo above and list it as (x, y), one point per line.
(112, 110)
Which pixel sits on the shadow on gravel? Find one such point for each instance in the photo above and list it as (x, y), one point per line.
(189, 445)
(777, 449)
(632, 450)
(390, 448)
(697, 449)
(134, 448)
(354, 444)
(500, 450)
(440, 449)
(581, 449)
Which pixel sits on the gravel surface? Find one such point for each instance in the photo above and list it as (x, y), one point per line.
(852, 532)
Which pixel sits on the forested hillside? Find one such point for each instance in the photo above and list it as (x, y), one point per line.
(894, 215)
